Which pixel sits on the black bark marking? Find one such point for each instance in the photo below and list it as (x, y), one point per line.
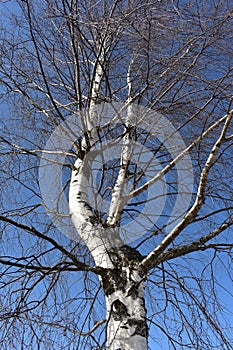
(114, 280)
(125, 256)
(119, 310)
(141, 327)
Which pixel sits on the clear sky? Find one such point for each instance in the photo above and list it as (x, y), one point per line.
(178, 271)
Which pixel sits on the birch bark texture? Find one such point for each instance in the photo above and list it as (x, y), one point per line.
(123, 284)
(122, 110)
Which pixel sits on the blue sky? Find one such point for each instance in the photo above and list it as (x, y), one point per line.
(183, 267)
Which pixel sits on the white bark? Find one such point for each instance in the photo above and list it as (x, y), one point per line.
(122, 284)
(98, 239)
(118, 194)
(126, 329)
(118, 202)
(126, 312)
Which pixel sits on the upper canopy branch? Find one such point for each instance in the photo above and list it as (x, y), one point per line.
(154, 257)
(166, 169)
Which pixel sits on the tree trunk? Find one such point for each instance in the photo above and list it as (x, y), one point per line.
(124, 292)
(123, 283)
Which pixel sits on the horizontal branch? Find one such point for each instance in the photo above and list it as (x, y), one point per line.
(66, 328)
(35, 152)
(40, 268)
(80, 265)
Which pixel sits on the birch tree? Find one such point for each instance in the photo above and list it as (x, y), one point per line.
(116, 175)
